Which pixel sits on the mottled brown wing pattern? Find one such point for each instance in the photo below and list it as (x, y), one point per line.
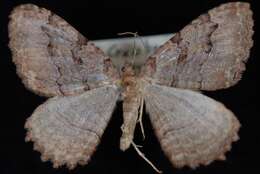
(52, 58)
(191, 128)
(209, 53)
(67, 129)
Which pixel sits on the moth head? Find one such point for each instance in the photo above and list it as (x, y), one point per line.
(127, 70)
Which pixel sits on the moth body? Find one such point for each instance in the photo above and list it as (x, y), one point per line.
(131, 104)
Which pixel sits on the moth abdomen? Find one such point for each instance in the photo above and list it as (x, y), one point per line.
(131, 104)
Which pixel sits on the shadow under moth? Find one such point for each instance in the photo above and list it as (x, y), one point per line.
(54, 60)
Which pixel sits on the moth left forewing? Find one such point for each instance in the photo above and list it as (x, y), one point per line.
(52, 58)
(67, 129)
(191, 128)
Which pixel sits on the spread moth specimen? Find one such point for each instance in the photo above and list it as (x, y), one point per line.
(54, 60)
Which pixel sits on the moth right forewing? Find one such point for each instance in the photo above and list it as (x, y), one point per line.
(67, 129)
(53, 58)
(207, 54)
(191, 128)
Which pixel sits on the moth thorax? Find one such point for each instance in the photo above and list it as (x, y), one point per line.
(128, 75)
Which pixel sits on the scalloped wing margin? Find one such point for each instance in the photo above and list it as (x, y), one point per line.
(67, 129)
(191, 128)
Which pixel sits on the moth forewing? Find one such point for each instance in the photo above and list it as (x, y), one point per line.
(209, 53)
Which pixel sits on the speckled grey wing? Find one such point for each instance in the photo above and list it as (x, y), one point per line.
(52, 58)
(191, 128)
(67, 129)
(209, 53)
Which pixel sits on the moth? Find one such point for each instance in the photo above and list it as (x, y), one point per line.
(56, 61)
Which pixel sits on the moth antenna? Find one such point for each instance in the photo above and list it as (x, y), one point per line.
(145, 46)
(134, 50)
(141, 154)
(127, 33)
(135, 34)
